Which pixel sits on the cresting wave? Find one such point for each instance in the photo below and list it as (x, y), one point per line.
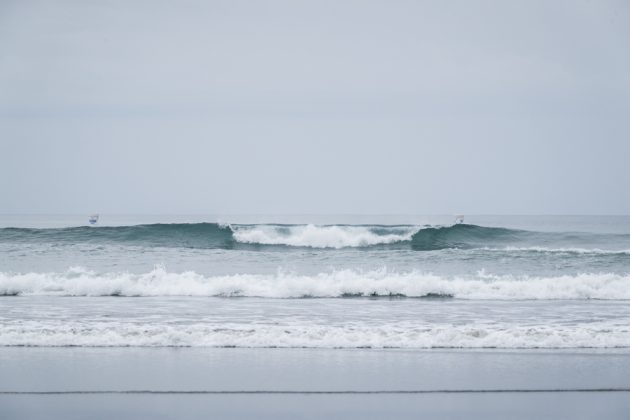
(213, 235)
(420, 238)
(334, 236)
(333, 284)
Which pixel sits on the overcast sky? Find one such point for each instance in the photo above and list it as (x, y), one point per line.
(221, 107)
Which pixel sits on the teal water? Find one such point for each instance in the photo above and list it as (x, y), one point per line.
(303, 281)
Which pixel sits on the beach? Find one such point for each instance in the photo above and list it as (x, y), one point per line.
(68, 383)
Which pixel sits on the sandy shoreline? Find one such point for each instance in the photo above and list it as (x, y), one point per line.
(484, 406)
(311, 370)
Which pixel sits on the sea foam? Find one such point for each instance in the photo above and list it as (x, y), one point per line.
(385, 335)
(335, 236)
(332, 284)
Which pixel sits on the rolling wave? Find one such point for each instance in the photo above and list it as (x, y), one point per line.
(190, 235)
(333, 284)
(235, 236)
(464, 236)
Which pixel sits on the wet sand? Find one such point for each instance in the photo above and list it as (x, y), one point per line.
(268, 383)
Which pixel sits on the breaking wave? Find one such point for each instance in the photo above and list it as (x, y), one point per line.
(235, 236)
(333, 284)
(213, 235)
(335, 236)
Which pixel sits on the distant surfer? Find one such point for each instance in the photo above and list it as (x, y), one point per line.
(459, 219)
(93, 219)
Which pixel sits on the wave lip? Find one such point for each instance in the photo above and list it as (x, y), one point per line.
(334, 284)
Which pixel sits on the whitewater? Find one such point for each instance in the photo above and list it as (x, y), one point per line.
(495, 282)
(335, 284)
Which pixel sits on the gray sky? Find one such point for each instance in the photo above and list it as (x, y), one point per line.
(315, 107)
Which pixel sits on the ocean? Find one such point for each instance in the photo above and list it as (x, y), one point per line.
(332, 282)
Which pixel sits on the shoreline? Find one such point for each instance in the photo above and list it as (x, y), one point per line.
(79, 382)
(30, 369)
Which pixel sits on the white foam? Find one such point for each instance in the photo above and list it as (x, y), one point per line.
(562, 250)
(339, 283)
(388, 335)
(319, 236)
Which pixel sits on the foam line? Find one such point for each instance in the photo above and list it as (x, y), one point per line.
(78, 281)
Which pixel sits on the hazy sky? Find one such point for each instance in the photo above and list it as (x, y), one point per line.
(315, 106)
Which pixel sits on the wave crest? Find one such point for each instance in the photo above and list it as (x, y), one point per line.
(334, 236)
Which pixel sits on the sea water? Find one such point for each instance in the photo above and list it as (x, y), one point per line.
(412, 282)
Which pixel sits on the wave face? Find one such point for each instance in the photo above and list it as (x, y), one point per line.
(464, 236)
(333, 284)
(188, 235)
(419, 238)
